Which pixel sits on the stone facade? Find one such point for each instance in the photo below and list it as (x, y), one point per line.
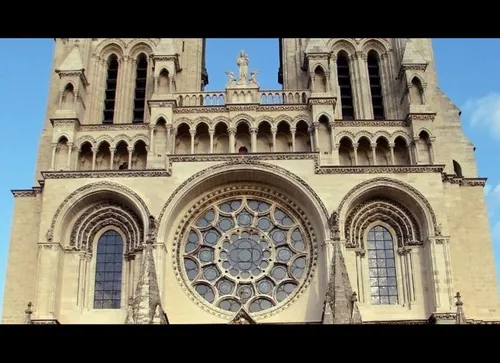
(349, 196)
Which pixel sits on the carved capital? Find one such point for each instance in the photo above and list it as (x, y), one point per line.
(192, 133)
(293, 130)
(254, 130)
(231, 130)
(392, 145)
(130, 149)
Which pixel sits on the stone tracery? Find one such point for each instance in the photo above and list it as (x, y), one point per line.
(385, 210)
(104, 214)
(245, 248)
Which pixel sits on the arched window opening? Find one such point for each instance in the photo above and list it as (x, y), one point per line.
(416, 92)
(344, 79)
(457, 169)
(375, 86)
(319, 84)
(110, 97)
(108, 276)
(243, 150)
(382, 267)
(68, 99)
(140, 89)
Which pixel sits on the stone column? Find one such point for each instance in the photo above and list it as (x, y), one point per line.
(94, 155)
(355, 84)
(169, 139)
(391, 148)
(193, 134)
(332, 137)
(112, 151)
(374, 152)
(130, 150)
(211, 132)
(292, 131)
(415, 149)
(430, 145)
(316, 135)
(70, 149)
(360, 254)
(232, 134)
(54, 151)
(253, 135)
(311, 137)
(274, 130)
(355, 147)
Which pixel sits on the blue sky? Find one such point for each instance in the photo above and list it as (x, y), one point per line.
(468, 72)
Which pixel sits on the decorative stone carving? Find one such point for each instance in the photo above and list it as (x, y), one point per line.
(340, 301)
(242, 62)
(381, 209)
(333, 223)
(28, 312)
(103, 214)
(242, 318)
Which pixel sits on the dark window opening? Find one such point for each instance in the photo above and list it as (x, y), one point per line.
(140, 89)
(110, 93)
(344, 80)
(108, 275)
(375, 86)
(243, 150)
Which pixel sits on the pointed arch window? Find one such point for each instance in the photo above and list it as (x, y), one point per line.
(344, 80)
(382, 266)
(110, 95)
(140, 88)
(375, 86)
(108, 275)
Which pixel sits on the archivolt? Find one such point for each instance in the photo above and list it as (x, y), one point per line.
(385, 210)
(108, 213)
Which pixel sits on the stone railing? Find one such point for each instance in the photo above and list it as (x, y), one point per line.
(283, 97)
(271, 97)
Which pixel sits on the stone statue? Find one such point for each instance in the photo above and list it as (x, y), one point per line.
(439, 229)
(152, 229)
(231, 78)
(333, 223)
(241, 321)
(253, 77)
(242, 63)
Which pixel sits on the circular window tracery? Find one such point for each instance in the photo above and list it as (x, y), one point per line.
(246, 251)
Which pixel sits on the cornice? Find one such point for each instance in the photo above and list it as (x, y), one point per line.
(22, 193)
(421, 117)
(148, 173)
(371, 123)
(463, 182)
(380, 169)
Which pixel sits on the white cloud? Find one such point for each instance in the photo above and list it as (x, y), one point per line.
(487, 189)
(485, 112)
(495, 232)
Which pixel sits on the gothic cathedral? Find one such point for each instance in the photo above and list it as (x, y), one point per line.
(350, 196)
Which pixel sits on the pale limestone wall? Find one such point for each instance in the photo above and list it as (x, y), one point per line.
(20, 282)
(60, 284)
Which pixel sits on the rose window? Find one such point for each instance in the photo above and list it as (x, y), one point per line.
(245, 252)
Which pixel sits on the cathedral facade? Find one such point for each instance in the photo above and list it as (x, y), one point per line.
(351, 195)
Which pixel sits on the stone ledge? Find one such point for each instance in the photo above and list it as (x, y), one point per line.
(106, 174)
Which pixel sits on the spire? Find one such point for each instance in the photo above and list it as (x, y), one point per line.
(146, 305)
(316, 45)
(411, 55)
(165, 47)
(460, 318)
(72, 62)
(340, 302)
(28, 312)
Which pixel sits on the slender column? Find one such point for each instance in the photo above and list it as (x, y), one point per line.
(316, 135)
(332, 137)
(360, 254)
(169, 139)
(54, 151)
(70, 148)
(112, 151)
(292, 131)
(253, 135)
(94, 155)
(211, 133)
(415, 149)
(232, 134)
(311, 137)
(374, 153)
(130, 151)
(273, 132)
(193, 134)
(430, 145)
(391, 148)
(355, 147)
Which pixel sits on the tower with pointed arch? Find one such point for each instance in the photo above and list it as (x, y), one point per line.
(351, 195)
